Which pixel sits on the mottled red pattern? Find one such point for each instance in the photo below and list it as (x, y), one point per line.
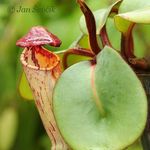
(39, 36)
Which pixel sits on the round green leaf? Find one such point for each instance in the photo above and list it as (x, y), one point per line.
(102, 106)
(123, 20)
(128, 5)
(101, 16)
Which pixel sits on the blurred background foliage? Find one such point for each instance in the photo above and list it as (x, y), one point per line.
(20, 125)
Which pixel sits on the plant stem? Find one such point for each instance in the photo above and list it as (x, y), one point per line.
(127, 51)
(104, 37)
(127, 44)
(91, 26)
(76, 51)
(141, 63)
(103, 33)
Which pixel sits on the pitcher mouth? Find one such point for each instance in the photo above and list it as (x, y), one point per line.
(39, 58)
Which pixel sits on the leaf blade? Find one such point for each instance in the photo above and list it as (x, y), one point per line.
(101, 16)
(124, 20)
(81, 123)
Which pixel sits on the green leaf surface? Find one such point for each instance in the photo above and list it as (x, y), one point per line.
(82, 41)
(128, 5)
(24, 88)
(102, 106)
(72, 59)
(112, 30)
(124, 20)
(136, 146)
(141, 40)
(101, 16)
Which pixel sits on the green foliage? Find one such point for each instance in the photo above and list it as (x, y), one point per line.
(124, 20)
(112, 30)
(99, 114)
(64, 23)
(8, 128)
(13, 26)
(101, 17)
(24, 88)
(127, 5)
(136, 146)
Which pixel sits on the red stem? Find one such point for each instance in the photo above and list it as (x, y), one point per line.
(104, 37)
(103, 33)
(127, 51)
(91, 26)
(139, 63)
(127, 44)
(76, 51)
